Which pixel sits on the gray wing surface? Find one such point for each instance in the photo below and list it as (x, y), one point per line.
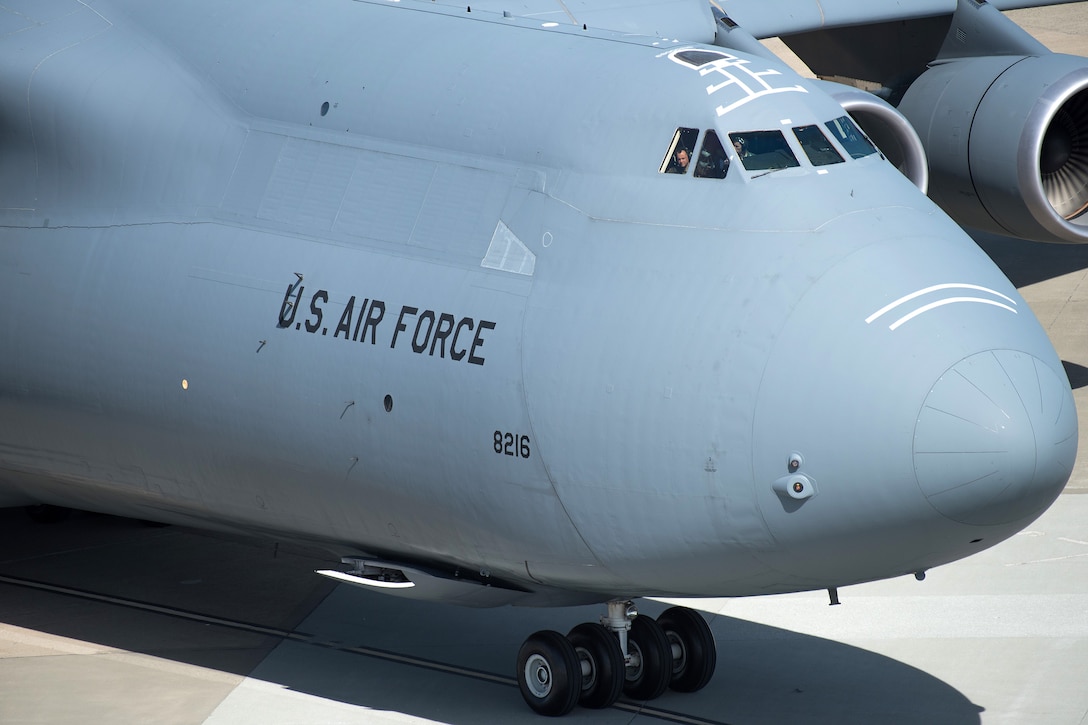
(693, 20)
(690, 20)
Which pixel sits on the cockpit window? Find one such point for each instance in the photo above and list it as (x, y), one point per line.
(712, 162)
(851, 137)
(678, 157)
(760, 150)
(818, 149)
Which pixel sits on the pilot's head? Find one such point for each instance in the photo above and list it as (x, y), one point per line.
(682, 158)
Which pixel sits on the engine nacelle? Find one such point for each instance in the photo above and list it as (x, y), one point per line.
(887, 128)
(1007, 140)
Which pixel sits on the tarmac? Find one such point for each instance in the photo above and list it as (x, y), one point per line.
(106, 620)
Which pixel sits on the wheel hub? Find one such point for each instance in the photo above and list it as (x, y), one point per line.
(538, 675)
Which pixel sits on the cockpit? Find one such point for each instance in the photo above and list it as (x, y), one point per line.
(765, 150)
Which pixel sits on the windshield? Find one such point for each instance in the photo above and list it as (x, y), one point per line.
(760, 150)
(851, 137)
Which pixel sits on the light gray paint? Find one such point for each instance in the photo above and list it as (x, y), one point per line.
(177, 194)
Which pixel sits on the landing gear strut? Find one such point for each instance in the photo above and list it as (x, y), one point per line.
(624, 654)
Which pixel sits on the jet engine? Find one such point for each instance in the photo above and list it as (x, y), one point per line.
(887, 128)
(1007, 141)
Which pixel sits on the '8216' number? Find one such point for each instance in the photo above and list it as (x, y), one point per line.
(512, 444)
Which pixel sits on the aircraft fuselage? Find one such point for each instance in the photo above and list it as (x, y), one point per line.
(380, 279)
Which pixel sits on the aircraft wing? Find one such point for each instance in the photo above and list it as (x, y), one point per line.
(690, 20)
(693, 20)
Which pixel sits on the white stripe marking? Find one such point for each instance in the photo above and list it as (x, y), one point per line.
(907, 298)
(941, 303)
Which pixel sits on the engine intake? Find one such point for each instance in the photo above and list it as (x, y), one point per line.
(887, 128)
(1007, 141)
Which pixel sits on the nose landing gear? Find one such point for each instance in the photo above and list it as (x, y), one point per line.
(626, 653)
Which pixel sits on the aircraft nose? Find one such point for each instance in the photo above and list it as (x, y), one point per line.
(995, 439)
(930, 420)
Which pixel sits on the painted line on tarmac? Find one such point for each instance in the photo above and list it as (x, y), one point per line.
(309, 639)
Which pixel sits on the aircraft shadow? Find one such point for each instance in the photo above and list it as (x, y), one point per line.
(1078, 374)
(765, 674)
(1026, 263)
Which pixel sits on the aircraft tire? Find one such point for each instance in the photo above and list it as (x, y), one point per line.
(649, 647)
(695, 656)
(549, 673)
(603, 683)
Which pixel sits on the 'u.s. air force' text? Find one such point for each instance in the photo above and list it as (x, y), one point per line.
(438, 334)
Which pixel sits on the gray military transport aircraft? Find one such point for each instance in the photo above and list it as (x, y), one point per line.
(537, 302)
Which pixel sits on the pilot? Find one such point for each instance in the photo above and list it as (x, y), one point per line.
(712, 163)
(741, 147)
(679, 163)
